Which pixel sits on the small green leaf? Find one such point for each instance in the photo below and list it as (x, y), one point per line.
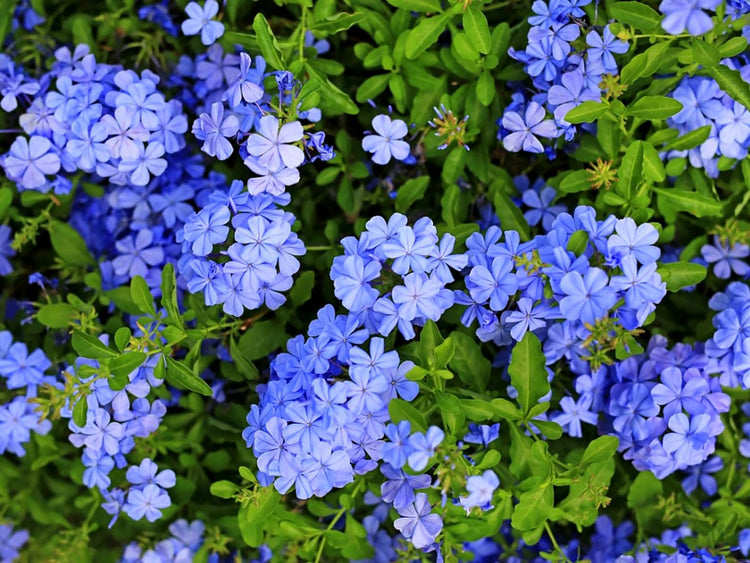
(89, 346)
(510, 215)
(653, 168)
(69, 245)
(261, 339)
(527, 371)
(127, 363)
(578, 242)
(337, 23)
(732, 83)
(425, 34)
(681, 274)
(224, 489)
(600, 449)
(587, 112)
(577, 181)
(399, 410)
(704, 53)
(6, 196)
(56, 315)
(122, 338)
(169, 295)
(654, 107)
(417, 5)
(637, 14)
(412, 191)
(245, 366)
(631, 169)
(302, 289)
(690, 202)
(141, 295)
(80, 410)
(689, 140)
(477, 29)
(180, 375)
(533, 508)
(452, 412)
(485, 88)
(490, 460)
(469, 363)
(267, 43)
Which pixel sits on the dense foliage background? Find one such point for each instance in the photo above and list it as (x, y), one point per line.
(414, 280)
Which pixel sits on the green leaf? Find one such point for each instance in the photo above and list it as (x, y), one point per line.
(533, 508)
(244, 365)
(80, 410)
(527, 372)
(485, 88)
(578, 242)
(179, 375)
(169, 295)
(336, 100)
(261, 339)
(452, 412)
(469, 363)
(122, 337)
(490, 460)
(732, 83)
(704, 53)
(689, 140)
(654, 107)
(577, 181)
(127, 363)
(429, 339)
(371, 87)
(337, 23)
(412, 191)
(681, 274)
(690, 202)
(302, 290)
(477, 29)
(56, 315)
(426, 34)
(587, 112)
(417, 5)
(89, 346)
(255, 514)
(69, 245)
(630, 172)
(505, 409)
(399, 410)
(653, 168)
(609, 136)
(267, 43)
(224, 489)
(510, 215)
(550, 430)
(478, 410)
(600, 449)
(639, 15)
(141, 295)
(6, 196)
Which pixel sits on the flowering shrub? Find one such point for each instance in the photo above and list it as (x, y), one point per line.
(413, 280)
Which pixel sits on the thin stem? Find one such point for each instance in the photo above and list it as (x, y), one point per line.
(554, 542)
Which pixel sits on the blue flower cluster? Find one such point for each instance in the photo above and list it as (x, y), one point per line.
(255, 264)
(706, 105)
(11, 542)
(663, 405)
(114, 419)
(183, 544)
(23, 373)
(729, 347)
(395, 275)
(98, 119)
(516, 287)
(682, 15)
(563, 77)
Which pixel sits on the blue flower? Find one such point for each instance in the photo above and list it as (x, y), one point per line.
(148, 502)
(726, 259)
(399, 486)
(29, 161)
(601, 48)
(146, 473)
(575, 412)
(206, 228)
(11, 542)
(213, 129)
(635, 240)
(483, 434)
(418, 524)
(418, 297)
(136, 255)
(588, 297)
(680, 15)
(423, 447)
(247, 86)
(688, 439)
(272, 145)
(388, 141)
(496, 286)
(397, 450)
(200, 21)
(524, 130)
(481, 489)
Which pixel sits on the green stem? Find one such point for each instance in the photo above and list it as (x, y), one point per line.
(554, 542)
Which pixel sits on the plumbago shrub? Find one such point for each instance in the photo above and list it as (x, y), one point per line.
(414, 280)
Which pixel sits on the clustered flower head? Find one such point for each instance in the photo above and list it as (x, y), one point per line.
(563, 77)
(704, 104)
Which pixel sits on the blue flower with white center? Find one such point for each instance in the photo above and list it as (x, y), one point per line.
(387, 142)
